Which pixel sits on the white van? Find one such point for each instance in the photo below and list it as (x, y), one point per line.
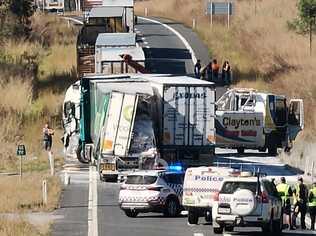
(201, 185)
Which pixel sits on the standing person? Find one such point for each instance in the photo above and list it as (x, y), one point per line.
(312, 205)
(48, 137)
(197, 69)
(226, 73)
(285, 192)
(209, 71)
(301, 195)
(215, 70)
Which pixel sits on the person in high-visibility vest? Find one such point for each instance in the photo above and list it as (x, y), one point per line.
(312, 205)
(301, 197)
(285, 192)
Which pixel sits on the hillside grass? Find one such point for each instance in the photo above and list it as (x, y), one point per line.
(34, 75)
(263, 53)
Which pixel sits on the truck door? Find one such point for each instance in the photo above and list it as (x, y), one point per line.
(295, 117)
(119, 124)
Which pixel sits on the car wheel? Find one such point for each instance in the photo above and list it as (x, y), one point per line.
(218, 230)
(172, 208)
(240, 150)
(193, 217)
(229, 228)
(131, 213)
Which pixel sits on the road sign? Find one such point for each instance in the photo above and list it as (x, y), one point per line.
(220, 8)
(21, 151)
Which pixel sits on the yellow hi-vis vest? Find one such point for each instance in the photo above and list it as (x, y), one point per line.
(313, 202)
(283, 190)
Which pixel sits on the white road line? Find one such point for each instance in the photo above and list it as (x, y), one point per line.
(145, 43)
(198, 234)
(93, 203)
(143, 38)
(184, 41)
(147, 46)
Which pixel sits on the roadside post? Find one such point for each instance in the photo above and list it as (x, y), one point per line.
(44, 192)
(51, 163)
(21, 151)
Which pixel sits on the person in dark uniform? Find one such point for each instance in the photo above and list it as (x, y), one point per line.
(301, 196)
(312, 205)
(197, 69)
(48, 137)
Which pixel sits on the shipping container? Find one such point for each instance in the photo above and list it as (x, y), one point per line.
(186, 111)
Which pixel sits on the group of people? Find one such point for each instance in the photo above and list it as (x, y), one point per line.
(304, 201)
(211, 72)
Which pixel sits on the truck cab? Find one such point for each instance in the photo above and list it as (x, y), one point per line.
(246, 118)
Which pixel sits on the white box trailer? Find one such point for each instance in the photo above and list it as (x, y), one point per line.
(185, 116)
(108, 50)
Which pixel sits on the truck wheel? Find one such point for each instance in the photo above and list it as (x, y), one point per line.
(172, 208)
(131, 213)
(193, 217)
(79, 153)
(218, 230)
(240, 150)
(277, 227)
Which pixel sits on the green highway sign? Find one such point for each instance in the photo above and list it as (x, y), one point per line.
(21, 151)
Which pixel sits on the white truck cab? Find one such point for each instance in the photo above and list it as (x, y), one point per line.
(201, 184)
(248, 119)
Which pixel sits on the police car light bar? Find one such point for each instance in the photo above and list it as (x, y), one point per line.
(175, 167)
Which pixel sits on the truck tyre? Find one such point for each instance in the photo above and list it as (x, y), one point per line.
(240, 150)
(218, 230)
(131, 213)
(193, 217)
(79, 153)
(172, 207)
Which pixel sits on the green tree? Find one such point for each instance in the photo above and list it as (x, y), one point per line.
(305, 23)
(23, 10)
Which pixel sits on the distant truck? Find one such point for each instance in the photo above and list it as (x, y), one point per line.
(248, 119)
(115, 16)
(131, 121)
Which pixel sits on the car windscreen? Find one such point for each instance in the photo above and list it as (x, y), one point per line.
(141, 179)
(231, 187)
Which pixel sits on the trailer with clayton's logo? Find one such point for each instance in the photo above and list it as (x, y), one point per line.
(248, 119)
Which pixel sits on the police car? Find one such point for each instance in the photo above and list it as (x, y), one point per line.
(200, 187)
(247, 201)
(152, 191)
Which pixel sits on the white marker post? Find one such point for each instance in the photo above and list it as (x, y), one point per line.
(146, 11)
(51, 163)
(44, 192)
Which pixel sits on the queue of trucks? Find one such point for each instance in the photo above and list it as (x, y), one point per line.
(120, 116)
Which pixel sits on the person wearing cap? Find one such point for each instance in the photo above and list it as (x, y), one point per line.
(301, 197)
(312, 205)
(285, 192)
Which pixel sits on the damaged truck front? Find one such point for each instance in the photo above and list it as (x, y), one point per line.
(116, 129)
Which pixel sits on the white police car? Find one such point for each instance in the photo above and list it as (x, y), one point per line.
(152, 191)
(247, 201)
